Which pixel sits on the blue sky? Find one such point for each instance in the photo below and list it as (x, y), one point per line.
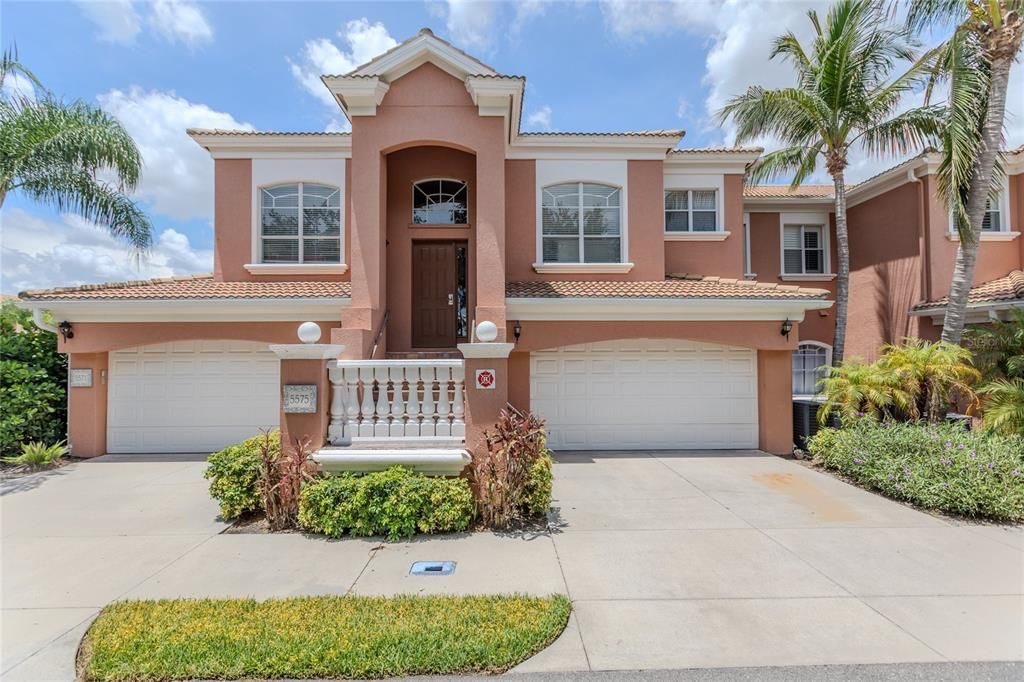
(164, 65)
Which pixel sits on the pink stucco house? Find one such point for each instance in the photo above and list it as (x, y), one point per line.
(644, 297)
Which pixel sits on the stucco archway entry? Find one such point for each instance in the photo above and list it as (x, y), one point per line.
(646, 394)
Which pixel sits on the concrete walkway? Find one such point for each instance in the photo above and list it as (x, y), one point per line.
(673, 560)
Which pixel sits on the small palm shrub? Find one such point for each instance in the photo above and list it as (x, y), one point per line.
(396, 503)
(234, 474)
(942, 466)
(1004, 406)
(915, 380)
(512, 480)
(283, 472)
(38, 454)
(999, 353)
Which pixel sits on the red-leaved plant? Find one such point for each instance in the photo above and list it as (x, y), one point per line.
(282, 477)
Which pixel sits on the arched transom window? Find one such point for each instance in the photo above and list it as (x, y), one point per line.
(581, 223)
(300, 223)
(440, 202)
(810, 365)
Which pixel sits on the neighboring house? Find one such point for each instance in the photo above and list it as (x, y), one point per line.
(621, 268)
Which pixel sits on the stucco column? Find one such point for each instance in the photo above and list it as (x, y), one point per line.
(774, 401)
(487, 396)
(490, 236)
(87, 407)
(366, 237)
(304, 365)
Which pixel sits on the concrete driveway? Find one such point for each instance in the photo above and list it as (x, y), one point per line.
(673, 560)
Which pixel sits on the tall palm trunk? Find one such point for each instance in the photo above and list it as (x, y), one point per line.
(981, 185)
(843, 278)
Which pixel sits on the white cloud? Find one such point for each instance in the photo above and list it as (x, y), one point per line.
(472, 23)
(177, 177)
(683, 108)
(540, 119)
(526, 10)
(181, 20)
(362, 40)
(39, 253)
(117, 20)
(16, 85)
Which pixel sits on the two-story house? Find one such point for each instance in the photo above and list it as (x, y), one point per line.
(645, 297)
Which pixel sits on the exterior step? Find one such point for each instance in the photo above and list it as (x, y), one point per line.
(426, 355)
(431, 461)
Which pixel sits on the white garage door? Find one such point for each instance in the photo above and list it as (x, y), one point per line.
(646, 394)
(190, 396)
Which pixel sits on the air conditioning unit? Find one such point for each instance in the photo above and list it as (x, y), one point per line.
(805, 421)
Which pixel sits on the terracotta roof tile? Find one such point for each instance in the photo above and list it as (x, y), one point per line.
(675, 286)
(778, 191)
(255, 133)
(189, 287)
(1002, 290)
(718, 150)
(628, 133)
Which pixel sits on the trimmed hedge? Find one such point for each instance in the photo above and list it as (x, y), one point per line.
(943, 467)
(234, 475)
(396, 503)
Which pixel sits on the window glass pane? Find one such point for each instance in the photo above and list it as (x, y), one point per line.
(792, 262)
(704, 200)
(811, 238)
(321, 251)
(280, 250)
(600, 195)
(814, 261)
(282, 195)
(440, 202)
(808, 368)
(321, 222)
(676, 200)
(320, 196)
(561, 250)
(280, 221)
(601, 250)
(601, 221)
(677, 221)
(991, 221)
(703, 221)
(791, 237)
(560, 220)
(561, 195)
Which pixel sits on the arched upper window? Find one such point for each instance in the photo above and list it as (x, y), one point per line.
(440, 202)
(811, 360)
(581, 223)
(300, 223)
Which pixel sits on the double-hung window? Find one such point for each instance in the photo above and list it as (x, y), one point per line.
(810, 365)
(300, 223)
(691, 210)
(581, 222)
(993, 221)
(803, 250)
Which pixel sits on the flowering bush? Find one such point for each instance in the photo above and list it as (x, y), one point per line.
(937, 466)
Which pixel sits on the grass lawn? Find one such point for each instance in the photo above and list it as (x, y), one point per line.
(318, 637)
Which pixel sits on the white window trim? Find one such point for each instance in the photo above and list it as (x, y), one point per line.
(602, 172)
(806, 220)
(718, 233)
(297, 268)
(828, 363)
(291, 169)
(675, 180)
(1005, 233)
(257, 247)
(543, 266)
(412, 216)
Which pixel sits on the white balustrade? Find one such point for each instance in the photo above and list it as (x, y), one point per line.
(388, 400)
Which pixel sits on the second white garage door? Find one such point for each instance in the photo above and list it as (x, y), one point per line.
(646, 394)
(190, 396)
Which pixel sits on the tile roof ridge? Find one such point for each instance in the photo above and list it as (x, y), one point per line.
(125, 284)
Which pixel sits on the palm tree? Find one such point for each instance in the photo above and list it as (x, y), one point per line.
(856, 389)
(844, 97)
(933, 375)
(977, 58)
(1004, 406)
(56, 153)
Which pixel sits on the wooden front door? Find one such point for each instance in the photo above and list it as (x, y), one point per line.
(438, 294)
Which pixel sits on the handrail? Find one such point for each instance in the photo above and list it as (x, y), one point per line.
(417, 362)
(380, 332)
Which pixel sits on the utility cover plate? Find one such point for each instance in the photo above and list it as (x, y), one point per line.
(432, 568)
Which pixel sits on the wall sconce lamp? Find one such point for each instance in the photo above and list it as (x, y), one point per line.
(787, 327)
(65, 330)
(517, 329)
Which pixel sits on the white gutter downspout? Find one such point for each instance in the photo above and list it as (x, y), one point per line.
(37, 318)
(922, 235)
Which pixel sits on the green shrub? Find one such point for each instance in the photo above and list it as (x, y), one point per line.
(943, 467)
(395, 503)
(38, 454)
(234, 475)
(539, 477)
(33, 376)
